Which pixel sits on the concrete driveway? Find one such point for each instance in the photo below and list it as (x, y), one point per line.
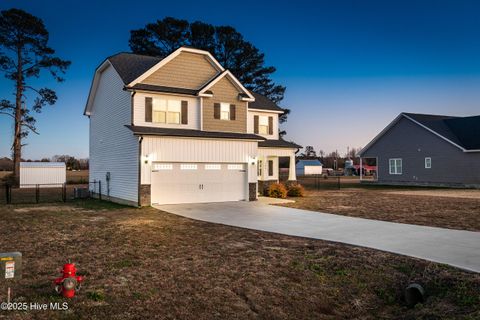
(457, 248)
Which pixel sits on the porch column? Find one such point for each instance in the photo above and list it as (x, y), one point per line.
(292, 171)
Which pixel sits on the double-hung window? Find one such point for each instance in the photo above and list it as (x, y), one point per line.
(263, 125)
(395, 166)
(224, 111)
(428, 163)
(166, 111)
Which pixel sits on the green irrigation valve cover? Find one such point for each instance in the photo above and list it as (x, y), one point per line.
(10, 266)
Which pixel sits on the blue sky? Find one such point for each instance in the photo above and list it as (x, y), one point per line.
(349, 66)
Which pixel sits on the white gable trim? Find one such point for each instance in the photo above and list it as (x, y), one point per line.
(172, 56)
(416, 122)
(94, 86)
(235, 82)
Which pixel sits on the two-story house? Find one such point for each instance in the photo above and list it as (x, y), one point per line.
(181, 129)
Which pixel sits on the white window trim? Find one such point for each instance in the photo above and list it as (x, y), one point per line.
(167, 112)
(429, 161)
(162, 166)
(265, 126)
(224, 109)
(235, 167)
(393, 169)
(188, 166)
(211, 166)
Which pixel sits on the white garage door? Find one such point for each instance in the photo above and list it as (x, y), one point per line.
(198, 182)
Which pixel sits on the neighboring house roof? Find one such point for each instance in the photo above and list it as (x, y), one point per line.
(169, 132)
(280, 143)
(462, 132)
(310, 163)
(263, 103)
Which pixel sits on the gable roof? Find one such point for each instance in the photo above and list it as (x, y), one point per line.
(233, 79)
(462, 132)
(133, 68)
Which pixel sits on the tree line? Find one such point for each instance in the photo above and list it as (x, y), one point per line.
(72, 163)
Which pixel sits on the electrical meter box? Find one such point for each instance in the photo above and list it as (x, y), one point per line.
(10, 266)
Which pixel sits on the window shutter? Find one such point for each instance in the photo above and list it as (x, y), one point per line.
(255, 124)
(270, 125)
(216, 110)
(148, 109)
(184, 112)
(270, 168)
(232, 112)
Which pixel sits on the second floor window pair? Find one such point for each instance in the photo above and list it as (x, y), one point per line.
(167, 111)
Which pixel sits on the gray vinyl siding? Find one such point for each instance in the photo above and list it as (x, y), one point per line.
(412, 143)
(113, 148)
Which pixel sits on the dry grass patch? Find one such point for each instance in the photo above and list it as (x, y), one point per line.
(144, 263)
(436, 208)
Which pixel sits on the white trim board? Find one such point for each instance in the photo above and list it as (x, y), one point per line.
(235, 81)
(93, 87)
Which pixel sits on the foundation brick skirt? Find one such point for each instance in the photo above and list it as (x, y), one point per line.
(252, 191)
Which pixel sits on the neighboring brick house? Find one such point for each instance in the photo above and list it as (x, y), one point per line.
(434, 150)
(180, 129)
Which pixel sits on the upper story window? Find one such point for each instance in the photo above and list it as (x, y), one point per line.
(395, 166)
(166, 111)
(428, 163)
(224, 111)
(263, 127)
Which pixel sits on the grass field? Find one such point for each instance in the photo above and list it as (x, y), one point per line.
(144, 263)
(446, 208)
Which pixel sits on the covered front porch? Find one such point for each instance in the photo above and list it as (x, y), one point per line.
(268, 169)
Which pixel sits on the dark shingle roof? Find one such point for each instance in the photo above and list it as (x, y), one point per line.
(280, 143)
(169, 132)
(130, 66)
(463, 131)
(262, 102)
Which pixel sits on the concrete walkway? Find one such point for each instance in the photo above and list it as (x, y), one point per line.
(454, 247)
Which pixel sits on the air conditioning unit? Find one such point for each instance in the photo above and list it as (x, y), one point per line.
(81, 193)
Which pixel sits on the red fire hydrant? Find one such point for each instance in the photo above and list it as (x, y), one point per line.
(69, 283)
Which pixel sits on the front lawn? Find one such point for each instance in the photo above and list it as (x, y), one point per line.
(144, 263)
(444, 208)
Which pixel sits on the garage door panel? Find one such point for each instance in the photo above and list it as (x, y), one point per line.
(198, 182)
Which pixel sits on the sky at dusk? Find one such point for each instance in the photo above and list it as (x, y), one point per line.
(349, 66)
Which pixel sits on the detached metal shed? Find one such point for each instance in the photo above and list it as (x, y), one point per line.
(45, 174)
(309, 167)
